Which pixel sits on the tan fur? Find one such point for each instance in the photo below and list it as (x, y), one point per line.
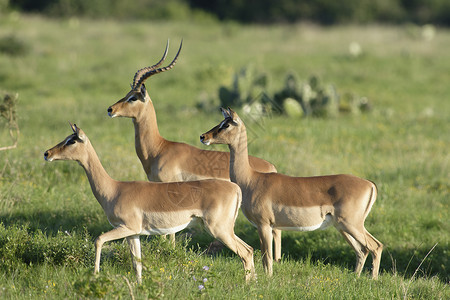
(298, 203)
(138, 207)
(168, 161)
(165, 160)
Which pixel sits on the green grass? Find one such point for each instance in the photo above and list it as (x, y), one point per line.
(72, 70)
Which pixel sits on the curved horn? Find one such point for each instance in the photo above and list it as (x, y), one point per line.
(142, 71)
(147, 72)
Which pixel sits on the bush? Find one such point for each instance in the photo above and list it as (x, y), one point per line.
(102, 284)
(118, 9)
(330, 11)
(11, 45)
(262, 11)
(21, 247)
(143, 9)
(4, 4)
(9, 116)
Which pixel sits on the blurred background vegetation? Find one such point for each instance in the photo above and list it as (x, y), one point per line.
(377, 96)
(327, 12)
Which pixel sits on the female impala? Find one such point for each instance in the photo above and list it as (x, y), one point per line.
(138, 207)
(298, 203)
(168, 161)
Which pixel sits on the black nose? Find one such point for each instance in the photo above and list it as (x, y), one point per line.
(202, 137)
(109, 109)
(45, 155)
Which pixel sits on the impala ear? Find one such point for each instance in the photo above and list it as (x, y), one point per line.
(74, 127)
(143, 90)
(233, 115)
(224, 112)
(80, 134)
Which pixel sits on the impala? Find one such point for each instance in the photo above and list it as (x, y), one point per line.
(137, 208)
(168, 161)
(298, 203)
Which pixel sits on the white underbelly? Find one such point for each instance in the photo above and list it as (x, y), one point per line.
(164, 231)
(326, 222)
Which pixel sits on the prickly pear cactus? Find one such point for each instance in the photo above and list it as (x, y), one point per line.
(296, 98)
(315, 98)
(246, 90)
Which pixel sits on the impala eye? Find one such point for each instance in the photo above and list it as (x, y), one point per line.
(70, 141)
(224, 125)
(132, 98)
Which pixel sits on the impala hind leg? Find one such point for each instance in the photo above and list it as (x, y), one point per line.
(244, 251)
(366, 243)
(276, 245)
(265, 238)
(135, 249)
(171, 238)
(377, 249)
(246, 257)
(238, 246)
(360, 250)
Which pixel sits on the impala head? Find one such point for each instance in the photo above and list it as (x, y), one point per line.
(226, 132)
(131, 105)
(69, 148)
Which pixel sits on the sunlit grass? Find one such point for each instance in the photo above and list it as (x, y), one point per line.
(74, 69)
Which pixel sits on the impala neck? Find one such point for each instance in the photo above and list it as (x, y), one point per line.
(102, 185)
(148, 141)
(240, 170)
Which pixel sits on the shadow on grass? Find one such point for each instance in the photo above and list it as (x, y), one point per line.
(403, 261)
(327, 247)
(332, 249)
(51, 222)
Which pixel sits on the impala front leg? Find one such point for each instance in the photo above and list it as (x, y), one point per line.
(265, 237)
(277, 245)
(115, 234)
(171, 238)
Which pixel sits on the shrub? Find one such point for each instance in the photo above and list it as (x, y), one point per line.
(329, 11)
(262, 11)
(11, 45)
(118, 9)
(102, 284)
(8, 113)
(21, 247)
(3, 5)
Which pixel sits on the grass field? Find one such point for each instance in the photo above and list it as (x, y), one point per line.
(72, 70)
